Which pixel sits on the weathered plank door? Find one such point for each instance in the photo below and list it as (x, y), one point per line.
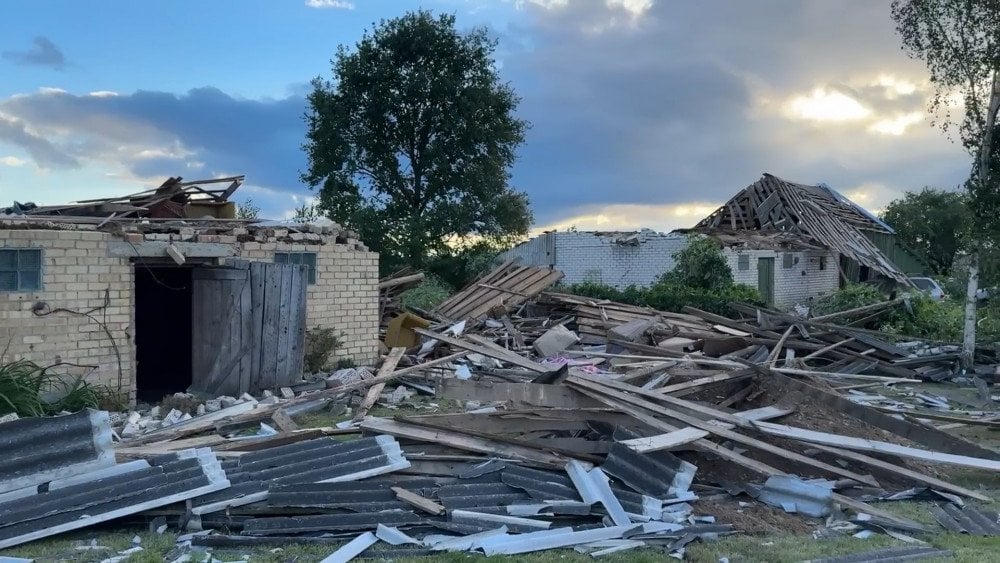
(765, 279)
(248, 327)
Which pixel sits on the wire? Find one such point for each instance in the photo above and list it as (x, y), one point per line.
(41, 309)
(150, 270)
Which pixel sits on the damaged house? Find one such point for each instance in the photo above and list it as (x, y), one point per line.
(793, 242)
(164, 290)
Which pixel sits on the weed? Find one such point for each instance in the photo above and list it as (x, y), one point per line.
(30, 390)
(345, 363)
(427, 295)
(320, 343)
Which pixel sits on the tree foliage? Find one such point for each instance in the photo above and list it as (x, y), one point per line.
(931, 222)
(411, 143)
(959, 41)
(701, 264)
(247, 210)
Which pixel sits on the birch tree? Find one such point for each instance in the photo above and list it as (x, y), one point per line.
(959, 41)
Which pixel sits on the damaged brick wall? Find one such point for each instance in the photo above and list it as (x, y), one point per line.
(77, 273)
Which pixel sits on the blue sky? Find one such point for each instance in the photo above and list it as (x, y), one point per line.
(644, 112)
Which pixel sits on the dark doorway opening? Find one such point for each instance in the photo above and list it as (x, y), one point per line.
(162, 331)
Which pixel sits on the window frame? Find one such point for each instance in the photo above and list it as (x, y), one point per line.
(743, 262)
(18, 269)
(313, 275)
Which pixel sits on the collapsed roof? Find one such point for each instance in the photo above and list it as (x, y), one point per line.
(816, 213)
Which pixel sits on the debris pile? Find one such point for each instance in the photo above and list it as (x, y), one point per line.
(606, 427)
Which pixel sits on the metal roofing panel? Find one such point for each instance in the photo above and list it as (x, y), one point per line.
(37, 450)
(661, 475)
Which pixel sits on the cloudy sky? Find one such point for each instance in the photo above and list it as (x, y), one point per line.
(645, 113)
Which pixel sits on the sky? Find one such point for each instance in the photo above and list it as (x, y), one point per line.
(644, 113)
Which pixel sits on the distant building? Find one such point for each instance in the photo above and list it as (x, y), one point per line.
(791, 241)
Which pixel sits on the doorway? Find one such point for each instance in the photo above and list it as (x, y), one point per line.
(162, 330)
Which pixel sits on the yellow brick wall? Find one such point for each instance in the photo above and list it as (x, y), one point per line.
(76, 274)
(344, 297)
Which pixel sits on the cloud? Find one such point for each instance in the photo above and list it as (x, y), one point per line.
(148, 135)
(12, 161)
(43, 53)
(335, 4)
(675, 107)
(632, 217)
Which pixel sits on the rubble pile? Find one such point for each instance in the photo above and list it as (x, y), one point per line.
(593, 425)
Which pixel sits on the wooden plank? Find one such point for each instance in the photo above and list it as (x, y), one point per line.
(720, 431)
(413, 499)
(665, 441)
(247, 342)
(284, 330)
(863, 444)
(257, 285)
(464, 442)
(837, 375)
(492, 352)
(764, 413)
(271, 323)
(900, 469)
(196, 425)
(375, 391)
(826, 349)
(282, 439)
(518, 394)
(297, 322)
(919, 433)
(696, 384)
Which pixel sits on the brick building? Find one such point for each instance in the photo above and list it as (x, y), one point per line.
(154, 305)
(792, 242)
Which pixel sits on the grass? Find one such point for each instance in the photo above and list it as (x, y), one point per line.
(31, 390)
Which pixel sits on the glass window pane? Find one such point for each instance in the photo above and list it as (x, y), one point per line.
(29, 280)
(8, 259)
(8, 281)
(280, 258)
(29, 259)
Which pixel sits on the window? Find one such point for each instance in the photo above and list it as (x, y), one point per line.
(822, 262)
(20, 269)
(787, 260)
(744, 262)
(306, 258)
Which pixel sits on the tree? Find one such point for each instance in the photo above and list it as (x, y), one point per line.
(247, 210)
(411, 144)
(701, 264)
(959, 40)
(306, 213)
(931, 222)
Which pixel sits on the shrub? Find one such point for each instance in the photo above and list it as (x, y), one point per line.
(30, 390)
(668, 295)
(850, 297)
(427, 295)
(700, 264)
(320, 343)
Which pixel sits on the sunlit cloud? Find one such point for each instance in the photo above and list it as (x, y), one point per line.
(103, 94)
(630, 217)
(12, 161)
(826, 105)
(896, 125)
(895, 86)
(334, 4)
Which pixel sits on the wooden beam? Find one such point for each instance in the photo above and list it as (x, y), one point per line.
(158, 249)
(665, 441)
(413, 499)
(375, 391)
(489, 351)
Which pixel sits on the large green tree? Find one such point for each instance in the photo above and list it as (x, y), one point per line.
(931, 222)
(959, 41)
(411, 142)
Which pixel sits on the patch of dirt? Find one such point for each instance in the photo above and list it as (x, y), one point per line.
(757, 518)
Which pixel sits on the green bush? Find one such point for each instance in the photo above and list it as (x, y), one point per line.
(700, 264)
(427, 295)
(850, 297)
(30, 390)
(667, 295)
(320, 343)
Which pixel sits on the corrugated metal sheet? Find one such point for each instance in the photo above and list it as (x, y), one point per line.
(191, 473)
(311, 461)
(661, 474)
(905, 553)
(37, 450)
(968, 520)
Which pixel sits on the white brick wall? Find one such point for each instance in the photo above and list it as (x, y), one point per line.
(601, 258)
(799, 284)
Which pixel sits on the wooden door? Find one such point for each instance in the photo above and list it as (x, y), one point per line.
(248, 327)
(765, 279)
